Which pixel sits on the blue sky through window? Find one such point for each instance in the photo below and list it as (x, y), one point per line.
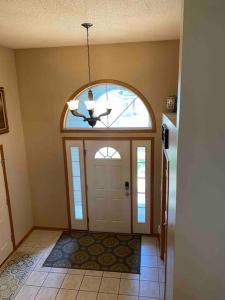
(128, 110)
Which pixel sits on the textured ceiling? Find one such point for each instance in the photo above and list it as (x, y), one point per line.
(50, 23)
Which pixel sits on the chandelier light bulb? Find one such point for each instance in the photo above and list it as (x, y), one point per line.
(73, 104)
(90, 104)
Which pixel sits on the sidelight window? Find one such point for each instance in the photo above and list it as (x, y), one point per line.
(141, 184)
(76, 183)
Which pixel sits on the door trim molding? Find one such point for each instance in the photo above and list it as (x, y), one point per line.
(7, 197)
(152, 139)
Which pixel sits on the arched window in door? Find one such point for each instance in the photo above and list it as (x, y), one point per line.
(130, 109)
(107, 153)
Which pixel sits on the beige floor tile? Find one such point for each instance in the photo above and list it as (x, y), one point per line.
(84, 295)
(129, 287)
(104, 296)
(147, 298)
(93, 273)
(59, 270)
(161, 275)
(126, 297)
(46, 294)
(147, 240)
(151, 274)
(112, 274)
(27, 293)
(91, 283)
(149, 261)
(66, 294)
(72, 282)
(149, 249)
(109, 285)
(149, 289)
(36, 278)
(76, 271)
(130, 276)
(161, 290)
(54, 280)
(160, 263)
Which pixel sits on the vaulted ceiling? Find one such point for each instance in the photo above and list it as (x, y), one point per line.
(52, 23)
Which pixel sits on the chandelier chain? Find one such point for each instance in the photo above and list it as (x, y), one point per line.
(88, 53)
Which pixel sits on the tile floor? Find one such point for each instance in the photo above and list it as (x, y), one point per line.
(69, 284)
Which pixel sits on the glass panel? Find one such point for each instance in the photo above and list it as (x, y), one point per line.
(78, 205)
(110, 151)
(141, 214)
(75, 168)
(141, 198)
(141, 184)
(75, 154)
(107, 153)
(141, 170)
(99, 155)
(76, 182)
(141, 154)
(77, 197)
(103, 151)
(116, 155)
(128, 110)
(79, 212)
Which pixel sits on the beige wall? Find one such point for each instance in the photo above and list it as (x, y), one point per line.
(170, 121)
(47, 77)
(14, 149)
(200, 226)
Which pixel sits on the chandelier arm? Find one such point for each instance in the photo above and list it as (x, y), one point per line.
(77, 114)
(106, 113)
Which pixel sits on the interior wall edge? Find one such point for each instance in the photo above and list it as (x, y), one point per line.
(14, 147)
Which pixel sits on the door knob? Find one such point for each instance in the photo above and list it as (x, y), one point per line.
(126, 185)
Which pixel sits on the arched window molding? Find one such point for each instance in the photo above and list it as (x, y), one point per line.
(140, 97)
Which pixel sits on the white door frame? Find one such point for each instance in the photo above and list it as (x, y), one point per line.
(132, 141)
(9, 211)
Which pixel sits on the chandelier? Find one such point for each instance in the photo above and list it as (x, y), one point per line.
(90, 103)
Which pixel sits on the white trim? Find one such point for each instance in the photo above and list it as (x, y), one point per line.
(141, 227)
(76, 224)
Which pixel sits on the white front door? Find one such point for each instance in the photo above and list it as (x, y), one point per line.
(108, 185)
(6, 246)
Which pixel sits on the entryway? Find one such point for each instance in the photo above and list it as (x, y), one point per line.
(109, 184)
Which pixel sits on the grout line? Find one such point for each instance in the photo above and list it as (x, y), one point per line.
(99, 286)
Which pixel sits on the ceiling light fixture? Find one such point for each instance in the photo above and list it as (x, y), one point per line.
(90, 103)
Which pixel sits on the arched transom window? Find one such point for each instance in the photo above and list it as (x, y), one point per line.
(129, 109)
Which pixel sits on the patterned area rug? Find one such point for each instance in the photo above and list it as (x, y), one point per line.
(14, 272)
(112, 252)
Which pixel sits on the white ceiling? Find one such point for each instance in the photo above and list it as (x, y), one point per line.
(50, 23)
